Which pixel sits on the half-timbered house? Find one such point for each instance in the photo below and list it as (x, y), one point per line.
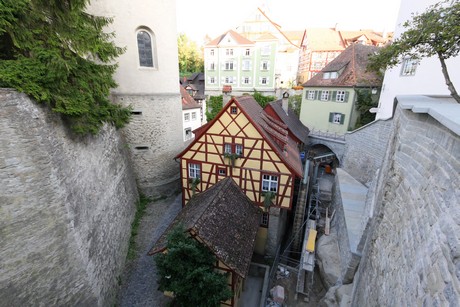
(257, 151)
(225, 220)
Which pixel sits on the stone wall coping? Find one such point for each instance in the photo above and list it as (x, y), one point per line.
(442, 108)
(353, 194)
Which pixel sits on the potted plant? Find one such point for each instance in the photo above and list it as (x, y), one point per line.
(231, 158)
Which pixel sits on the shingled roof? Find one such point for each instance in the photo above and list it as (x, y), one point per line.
(352, 61)
(225, 220)
(291, 120)
(187, 101)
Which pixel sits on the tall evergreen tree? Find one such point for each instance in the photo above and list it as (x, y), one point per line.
(58, 54)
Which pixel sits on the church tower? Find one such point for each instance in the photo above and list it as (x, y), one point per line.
(148, 80)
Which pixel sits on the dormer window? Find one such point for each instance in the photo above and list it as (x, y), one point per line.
(330, 75)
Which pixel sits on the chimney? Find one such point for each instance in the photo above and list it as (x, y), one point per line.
(285, 102)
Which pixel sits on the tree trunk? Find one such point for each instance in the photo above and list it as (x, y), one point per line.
(449, 83)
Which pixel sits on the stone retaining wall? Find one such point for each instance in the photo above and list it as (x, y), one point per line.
(412, 254)
(66, 206)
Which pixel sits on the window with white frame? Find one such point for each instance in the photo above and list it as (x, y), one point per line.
(337, 118)
(229, 79)
(265, 50)
(193, 115)
(188, 134)
(228, 65)
(194, 170)
(212, 66)
(229, 52)
(264, 65)
(264, 80)
(228, 148)
(409, 67)
(211, 52)
(221, 171)
(246, 65)
(324, 95)
(212, 80)
(264, 219)
(246, 80)
(311, 95)
(247, 52)
(340, 96)
(269, 183)
(186, 117)
(239, 149)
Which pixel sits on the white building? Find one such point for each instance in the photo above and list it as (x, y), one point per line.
(425, 78)
(147, 78)
(191, 115)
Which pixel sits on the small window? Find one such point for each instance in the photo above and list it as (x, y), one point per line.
(212, 80)
(247, 52)
(135, 112)
(264, 219)
(311, 95)
(144, 46)
(239, 149)
(246, 65)
(193, 115)
(409, 67)
(337, 118)
(265, 50)
(326, 75)
(221, 171)
(194, 170)
(229, 52)
(269, 183)
(264, 65)
(233, 110)
(229, 66)
(141, 147)
(212, 66)
(264, 80)
(211, 52)
(324, 95)
(228, 148)
(341, 96)
(188, 134)
(245, 80)
(186, 117)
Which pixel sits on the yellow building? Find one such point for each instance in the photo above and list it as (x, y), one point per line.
(257, 151)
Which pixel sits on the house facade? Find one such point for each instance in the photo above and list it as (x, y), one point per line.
(411, 77)
(244, 143)
(194, 85)
(245, 65)
(329, 98)
(191, 115)
(147, 77)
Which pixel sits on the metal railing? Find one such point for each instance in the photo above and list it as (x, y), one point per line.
(327, 135)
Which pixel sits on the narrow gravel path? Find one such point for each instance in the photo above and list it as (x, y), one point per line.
(139, 280)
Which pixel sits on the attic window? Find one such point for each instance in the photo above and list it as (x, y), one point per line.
(330, 75)
(233, 110)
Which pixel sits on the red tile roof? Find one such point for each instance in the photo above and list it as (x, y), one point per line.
(187, 101)
(239, 39)
(353, 61)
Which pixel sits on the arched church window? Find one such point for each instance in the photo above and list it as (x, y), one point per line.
(145, 48)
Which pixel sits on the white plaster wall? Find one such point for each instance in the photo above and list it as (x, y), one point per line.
(428, 79)
(160, 17)
(191, 123)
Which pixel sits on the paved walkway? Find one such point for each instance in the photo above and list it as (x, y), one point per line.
(139, 280)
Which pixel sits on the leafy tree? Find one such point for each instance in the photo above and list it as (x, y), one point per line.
(295, 101)
(432, 33)
(214, 106)
(261, 99)
(55, 52)
(187, 269)
(364, 103)
(190, 57)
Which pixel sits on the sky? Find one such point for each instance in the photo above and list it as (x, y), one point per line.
(214, 17)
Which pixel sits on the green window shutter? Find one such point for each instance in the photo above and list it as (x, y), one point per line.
(346, 96)
(306, 94)
(334, 95)
(342, 119)
(331, 117)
